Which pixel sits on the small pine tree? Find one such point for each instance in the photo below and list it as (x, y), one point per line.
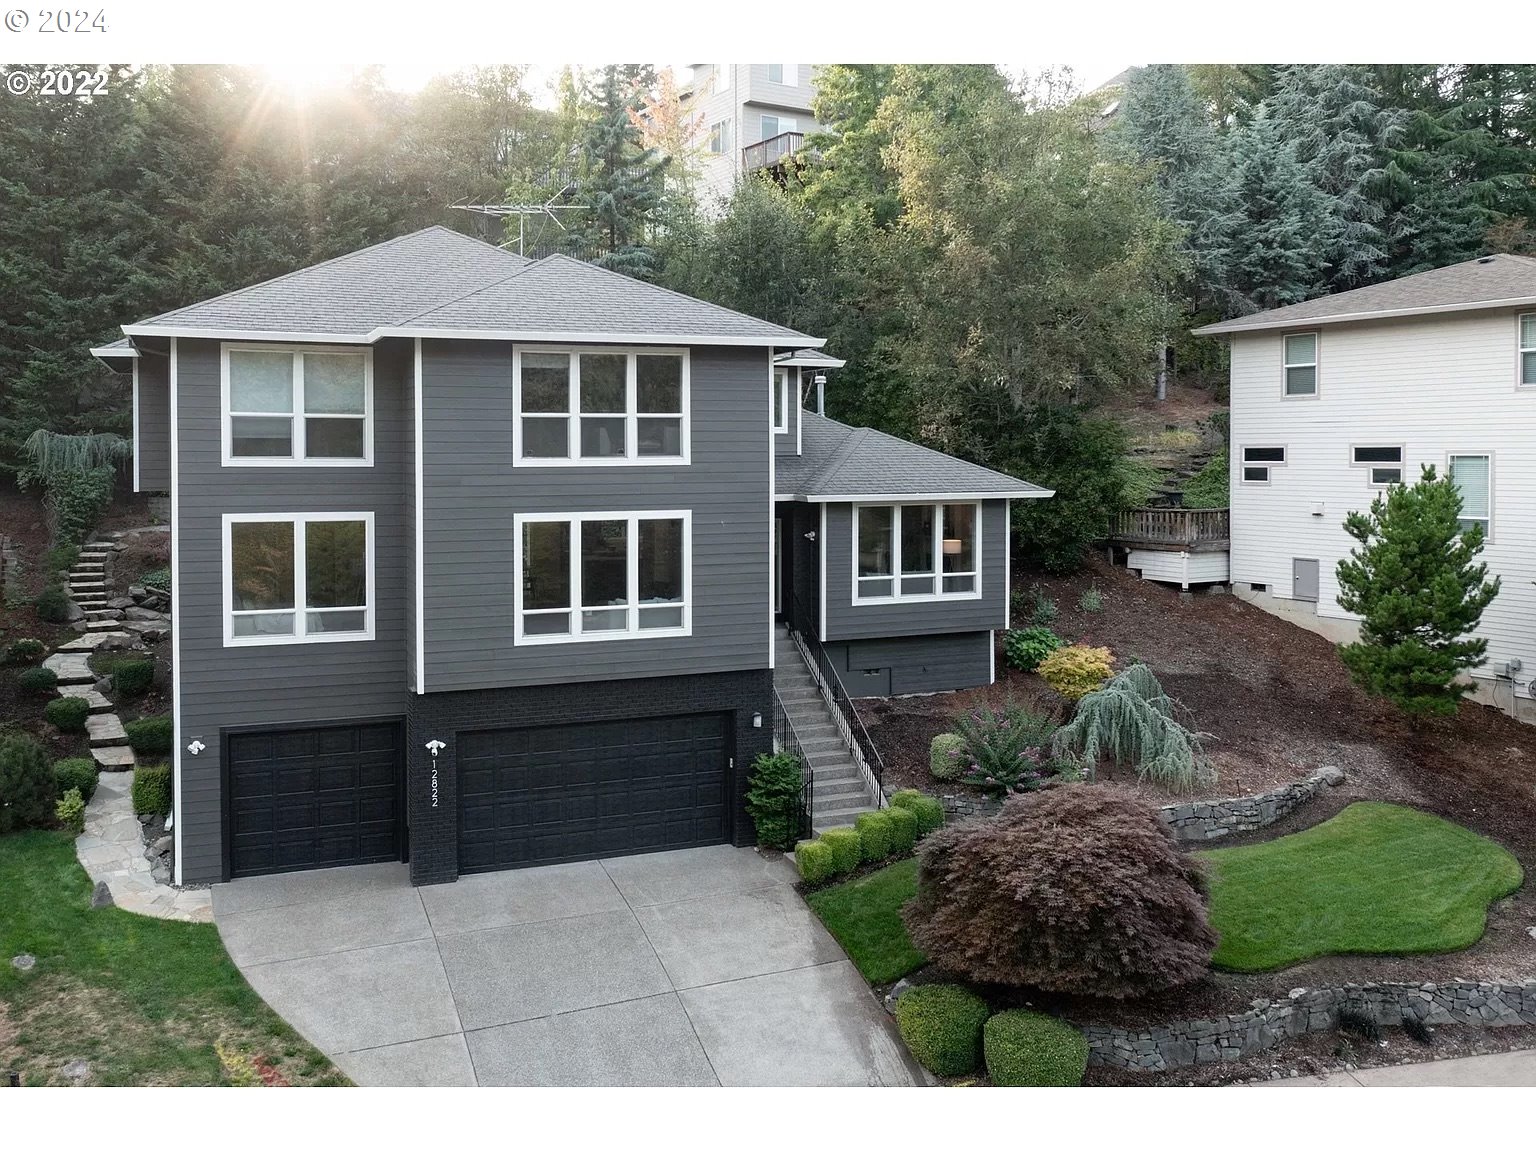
(1415, 583)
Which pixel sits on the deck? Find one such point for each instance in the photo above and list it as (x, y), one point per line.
(1173, 529)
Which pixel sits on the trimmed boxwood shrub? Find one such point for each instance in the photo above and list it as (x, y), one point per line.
(77, 772)
(67, 713)
(927, 809)
(52, 604)
(1028, 1050)
(875, 835)
(27, 790)
(151, 735)
(37, 679)
(942, 1026)
(70, 811)
(903, 825)
(946, 756)
(814, 859)
(25, 651)
(846, 850)
(152, 790)
(132, 677)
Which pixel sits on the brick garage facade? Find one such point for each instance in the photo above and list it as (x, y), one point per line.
(432, 802)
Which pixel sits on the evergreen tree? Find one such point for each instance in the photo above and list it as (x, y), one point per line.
(620, 183)
(1416, 584)
(1283, 229)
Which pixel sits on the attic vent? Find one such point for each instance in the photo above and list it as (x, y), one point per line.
(1485, 259)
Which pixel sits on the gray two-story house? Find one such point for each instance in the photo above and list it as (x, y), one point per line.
(476, 560)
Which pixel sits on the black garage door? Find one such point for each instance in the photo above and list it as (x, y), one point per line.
(313, 797)
(578, 791)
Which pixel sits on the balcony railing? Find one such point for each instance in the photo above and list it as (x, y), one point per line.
(767, 153)
(1194, 529)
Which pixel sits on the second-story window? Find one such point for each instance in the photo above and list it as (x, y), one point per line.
(609, 406)
(1301, 364)
(777, 125)
(297, 577)
(781, 399)
(1473, 477)
(297, 405)
(720, 137)
(1528, 349)
(783, 73)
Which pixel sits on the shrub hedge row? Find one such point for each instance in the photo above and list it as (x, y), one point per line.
(152, 790)
(875, 836)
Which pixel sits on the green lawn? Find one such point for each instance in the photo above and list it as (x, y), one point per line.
(143, 1001)
(865, 916)
(1375, 879)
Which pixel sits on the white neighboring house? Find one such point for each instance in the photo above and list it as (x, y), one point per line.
(1337, 398)
(751, 116)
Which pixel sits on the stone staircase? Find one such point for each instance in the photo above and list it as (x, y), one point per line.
(839, 793)
(88, 588)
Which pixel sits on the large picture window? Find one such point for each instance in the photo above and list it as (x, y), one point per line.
(916, 552)
(298, 577)
(297, 406)
(608, 406)
(602, 576)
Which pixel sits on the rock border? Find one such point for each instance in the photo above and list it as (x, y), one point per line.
(1230, 1038)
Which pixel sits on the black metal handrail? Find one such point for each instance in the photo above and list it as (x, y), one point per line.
(786, 739)
(862, 745)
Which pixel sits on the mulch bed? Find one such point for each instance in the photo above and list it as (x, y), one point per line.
(1274, 702)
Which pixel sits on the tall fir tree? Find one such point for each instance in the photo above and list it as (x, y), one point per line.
(621, 182)
(1284, 225)
(1420, 591)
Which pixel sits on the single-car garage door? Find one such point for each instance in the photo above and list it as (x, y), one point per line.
(579, 791)
(313, 797)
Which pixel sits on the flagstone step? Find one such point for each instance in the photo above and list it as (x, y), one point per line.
(105, 729)
(103, 625)
(114, 758)
(88, 693)
(91, 641)
(70, 668)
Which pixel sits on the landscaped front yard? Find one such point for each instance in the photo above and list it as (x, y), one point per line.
(115, 998)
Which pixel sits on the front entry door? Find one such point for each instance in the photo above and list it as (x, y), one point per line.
(1304, 580)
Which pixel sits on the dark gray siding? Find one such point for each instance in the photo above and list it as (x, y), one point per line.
(915, 663)
(472, 491)
(847, 621)
(153, 450)
(283, 684)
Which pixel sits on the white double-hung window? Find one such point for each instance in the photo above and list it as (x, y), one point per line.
(602, 575)
(1473, 477)
(298, 577)
(916, 552)
(297, 406)
(1528, 350)
(1300, 364)
(600, 406)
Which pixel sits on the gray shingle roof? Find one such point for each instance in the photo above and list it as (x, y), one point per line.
(839, 462)
(565, 297)
(438, 281)
(1487, 282)
(352, 295)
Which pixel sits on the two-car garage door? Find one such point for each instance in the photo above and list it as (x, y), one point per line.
(579, 791)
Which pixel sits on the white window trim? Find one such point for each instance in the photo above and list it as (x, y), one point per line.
(896, 574)
(1316, 364)
(1492, 485)
(1243, 463)
(573, 416)
(1522, 350)
(298, 459)
(782, 389)
(719, 131)
(573, 519)
(1370, 466)
(298, 520)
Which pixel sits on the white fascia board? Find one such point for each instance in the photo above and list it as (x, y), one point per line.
(105, 353)
(919, 497)
(274, 336)
(519, 336)
(1234, 327)
(823, 361)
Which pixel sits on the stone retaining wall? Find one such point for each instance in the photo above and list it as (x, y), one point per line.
(1194, 820)
(1226, 1039)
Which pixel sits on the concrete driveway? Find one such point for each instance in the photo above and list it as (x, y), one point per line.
(680, 968)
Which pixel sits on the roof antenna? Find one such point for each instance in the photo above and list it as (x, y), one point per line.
(522, 212)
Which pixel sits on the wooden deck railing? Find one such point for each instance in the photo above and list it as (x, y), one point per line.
(1190, 527)
(766, 153)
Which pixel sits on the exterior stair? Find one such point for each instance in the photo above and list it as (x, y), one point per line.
(839, 792)
(88, 588)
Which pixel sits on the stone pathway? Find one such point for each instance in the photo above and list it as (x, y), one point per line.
(104, 628)
(112, 852)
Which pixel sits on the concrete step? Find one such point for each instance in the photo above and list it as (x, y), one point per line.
(105, 729)
(821, 743)
(824, 792)
(845, 771)
(114, 758)
(828, 757)
(88, 693)
(795, 695)
(841, 809)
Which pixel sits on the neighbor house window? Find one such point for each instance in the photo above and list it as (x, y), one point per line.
(775, 125)
(720, 137)
(1528, 349)
(722, 77)
(1258, 461)
(297, 405)
(609, 406)
(916, 551)
(1385, 464)
(298, 577)
(602, 576)
(1473, 477)
(781, 399)
(783, 73)
(1301, 364)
